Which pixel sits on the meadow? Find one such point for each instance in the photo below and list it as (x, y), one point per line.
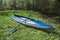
(25, 33)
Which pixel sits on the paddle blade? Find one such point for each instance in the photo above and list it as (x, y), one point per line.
(12, 30)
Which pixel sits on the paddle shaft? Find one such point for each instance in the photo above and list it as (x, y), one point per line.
(30, 14)
(15, 28)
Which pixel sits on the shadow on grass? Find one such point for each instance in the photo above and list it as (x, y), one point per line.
(57, 20)
(3, 13)
(47, 31)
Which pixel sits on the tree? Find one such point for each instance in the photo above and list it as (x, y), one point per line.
(1, 5)
(50, 7)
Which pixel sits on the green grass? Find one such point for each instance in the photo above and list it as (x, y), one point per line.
(24, 33)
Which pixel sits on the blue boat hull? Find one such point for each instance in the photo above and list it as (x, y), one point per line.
(31, 22)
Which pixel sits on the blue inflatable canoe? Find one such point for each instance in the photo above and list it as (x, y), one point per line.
(31, 22)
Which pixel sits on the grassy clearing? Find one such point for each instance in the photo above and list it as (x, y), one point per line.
(24, 33)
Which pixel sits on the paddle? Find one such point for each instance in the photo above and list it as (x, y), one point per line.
(13, 29)
(30, 15)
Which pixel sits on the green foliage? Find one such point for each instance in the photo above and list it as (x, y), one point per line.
(50, 7)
